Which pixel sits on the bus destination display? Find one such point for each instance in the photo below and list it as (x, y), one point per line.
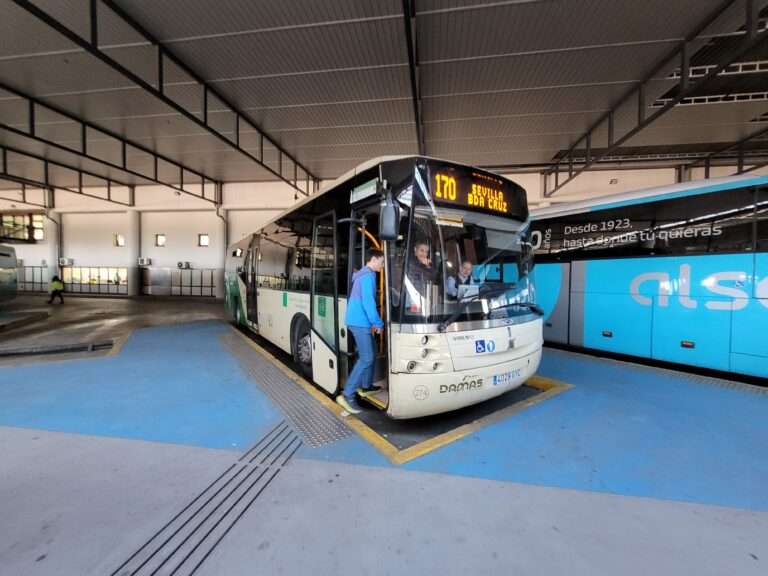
(477, 192)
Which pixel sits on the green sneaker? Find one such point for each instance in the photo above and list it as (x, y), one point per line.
(350, 407)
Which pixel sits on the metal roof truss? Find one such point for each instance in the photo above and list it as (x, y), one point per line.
(44, 166)
(287, 168)
(92, 137)
(753, 35)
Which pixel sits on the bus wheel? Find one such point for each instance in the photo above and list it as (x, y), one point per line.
(302, 349)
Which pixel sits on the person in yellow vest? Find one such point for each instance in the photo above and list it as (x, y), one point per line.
(57, 289)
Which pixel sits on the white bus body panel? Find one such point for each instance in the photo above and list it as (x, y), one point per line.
(276, 309)
(477, 374)
(325, 366)
(480, 348)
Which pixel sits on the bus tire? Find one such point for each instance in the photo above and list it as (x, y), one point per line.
(302, 347)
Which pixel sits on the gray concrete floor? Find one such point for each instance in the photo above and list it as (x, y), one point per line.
(331, 518)
(82, 505)
(76, 505)
(91, 319)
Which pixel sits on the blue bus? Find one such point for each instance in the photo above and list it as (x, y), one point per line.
(674, 274)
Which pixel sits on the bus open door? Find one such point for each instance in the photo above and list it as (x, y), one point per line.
(364, 237)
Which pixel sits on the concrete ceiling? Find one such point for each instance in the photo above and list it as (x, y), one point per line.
(501, 83)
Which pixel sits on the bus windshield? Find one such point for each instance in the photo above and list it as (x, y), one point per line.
(458, 266)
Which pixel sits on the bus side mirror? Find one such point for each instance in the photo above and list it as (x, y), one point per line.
(389, 219)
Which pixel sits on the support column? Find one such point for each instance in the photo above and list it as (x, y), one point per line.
(222, 232)
(133, 247)
(683, 173)
(53, 240)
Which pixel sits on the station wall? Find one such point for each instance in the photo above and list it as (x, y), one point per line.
(243, 222)
(89, 224)
(89, 238)
(181, 230)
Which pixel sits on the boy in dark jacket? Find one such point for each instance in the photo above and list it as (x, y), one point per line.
(362, 320)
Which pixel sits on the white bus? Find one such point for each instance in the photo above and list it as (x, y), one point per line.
(442, 348)
(8, 279)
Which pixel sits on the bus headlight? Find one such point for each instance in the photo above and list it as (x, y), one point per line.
(421, 353)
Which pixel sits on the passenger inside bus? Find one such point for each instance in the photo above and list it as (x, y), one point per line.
(421, 273)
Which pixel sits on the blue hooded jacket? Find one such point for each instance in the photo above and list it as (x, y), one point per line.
(361, 306)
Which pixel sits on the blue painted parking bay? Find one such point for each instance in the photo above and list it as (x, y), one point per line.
(621, 429)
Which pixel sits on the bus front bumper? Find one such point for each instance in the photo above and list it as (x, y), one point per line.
(415, 395)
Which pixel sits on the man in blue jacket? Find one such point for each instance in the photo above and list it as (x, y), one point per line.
(362, 320)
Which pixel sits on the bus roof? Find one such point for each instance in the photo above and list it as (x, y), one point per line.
(646, 194)
(351, 174)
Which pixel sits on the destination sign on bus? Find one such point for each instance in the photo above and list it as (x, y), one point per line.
(475, 191)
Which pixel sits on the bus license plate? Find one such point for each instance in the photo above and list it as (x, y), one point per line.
(507, 377)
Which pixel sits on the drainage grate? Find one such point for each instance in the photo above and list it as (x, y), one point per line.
(316, 424)
(57, 349)
(188, 539)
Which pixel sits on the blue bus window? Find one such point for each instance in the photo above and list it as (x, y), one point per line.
(511, 274)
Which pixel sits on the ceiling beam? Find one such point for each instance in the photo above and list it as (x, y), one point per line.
(752, 168)
(23, 200)
(48, 184)
(311, 183)
(83, 148)
(409, 20)
(752, 38)
(738, 146)
(92, 44)
(648, 161)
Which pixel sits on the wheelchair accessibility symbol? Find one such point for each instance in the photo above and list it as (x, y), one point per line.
(484, 346)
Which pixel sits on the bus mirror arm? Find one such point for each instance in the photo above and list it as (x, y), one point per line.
(389, 218)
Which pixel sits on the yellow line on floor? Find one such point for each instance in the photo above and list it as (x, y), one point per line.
(118, 342)
(548, 387)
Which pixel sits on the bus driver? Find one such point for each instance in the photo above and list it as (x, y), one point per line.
(462, 278)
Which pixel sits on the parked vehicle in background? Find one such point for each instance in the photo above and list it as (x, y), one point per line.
(8, 279)
(676, 274)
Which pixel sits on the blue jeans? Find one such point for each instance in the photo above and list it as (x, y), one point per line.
(362, 373)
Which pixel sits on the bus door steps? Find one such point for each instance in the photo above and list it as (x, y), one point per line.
(57, 349)
(380, 398)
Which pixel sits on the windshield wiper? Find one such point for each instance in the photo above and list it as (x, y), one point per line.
(483, 293)
(530, 305)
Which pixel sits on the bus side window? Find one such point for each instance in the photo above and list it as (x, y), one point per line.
(713, 223)
(762, 220)
(274, 258)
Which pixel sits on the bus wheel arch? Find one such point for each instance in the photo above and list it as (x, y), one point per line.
(301, 344)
